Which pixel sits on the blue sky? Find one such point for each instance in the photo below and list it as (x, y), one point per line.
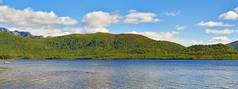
(183, 21)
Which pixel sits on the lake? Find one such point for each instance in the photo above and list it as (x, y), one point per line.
(119, 74)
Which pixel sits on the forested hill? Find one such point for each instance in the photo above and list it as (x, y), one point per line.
(217, 51)
(105, 45)
(98, 45)
(234, 45)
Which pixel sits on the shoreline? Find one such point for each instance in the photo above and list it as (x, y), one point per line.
(118, 59)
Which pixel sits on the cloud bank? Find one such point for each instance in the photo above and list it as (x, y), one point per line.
(50, 24)
(35, 22)
(230, 15)
(99, 21)
(135, 17)
(214, 24)
(29, 17)
(221, 32)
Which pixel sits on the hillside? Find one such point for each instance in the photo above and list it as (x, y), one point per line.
(105, 45)
(234, 45)
(16, 46)
(217, 51)
(99, 45)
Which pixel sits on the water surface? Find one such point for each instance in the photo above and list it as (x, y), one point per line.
(119, 74)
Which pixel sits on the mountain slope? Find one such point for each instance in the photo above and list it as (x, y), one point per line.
(105, 45)
(17, 46)
(99, 45)
(234, 45)
(217, 51)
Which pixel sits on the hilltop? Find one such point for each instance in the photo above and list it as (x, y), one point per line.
(98, 45)
(105, 46)
(216, 51)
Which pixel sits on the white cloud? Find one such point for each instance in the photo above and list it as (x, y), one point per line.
(44, 31)
(192, 42)
(29, 18)
(236, 9)
(49, 24)
(220, 39)
(35, 22)
(221, 32)
(230, 15)
(173, 13)
(135, 17)
(214, 24)
(180, 27)
(100, 19)
(220, 36)
(168, 36)
(86, 30)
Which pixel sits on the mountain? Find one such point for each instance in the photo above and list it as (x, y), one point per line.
(106, 46)
(22, 33)
(18, 33)
(217, 51)
(98, 45)
(234, 45)
(3, 29)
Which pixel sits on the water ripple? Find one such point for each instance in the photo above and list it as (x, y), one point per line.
(119, 75)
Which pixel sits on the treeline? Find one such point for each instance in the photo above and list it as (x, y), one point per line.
(217, 51)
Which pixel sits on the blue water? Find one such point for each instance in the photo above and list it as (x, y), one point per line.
(119, 74)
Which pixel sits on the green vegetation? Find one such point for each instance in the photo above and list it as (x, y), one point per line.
(104, 45)
(234, 45)
(218, 51)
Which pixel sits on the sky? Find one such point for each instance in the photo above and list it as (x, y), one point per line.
(187, 22)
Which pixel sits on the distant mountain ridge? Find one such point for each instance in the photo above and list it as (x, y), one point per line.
(3, 29)
(234, 45)
(104, 46)
(18, 33)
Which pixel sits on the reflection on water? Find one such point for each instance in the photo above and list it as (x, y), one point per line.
(119, 74)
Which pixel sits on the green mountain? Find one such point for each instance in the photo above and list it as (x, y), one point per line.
(217, 51)
(99, 45)
(105, 45)
(234, 45)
